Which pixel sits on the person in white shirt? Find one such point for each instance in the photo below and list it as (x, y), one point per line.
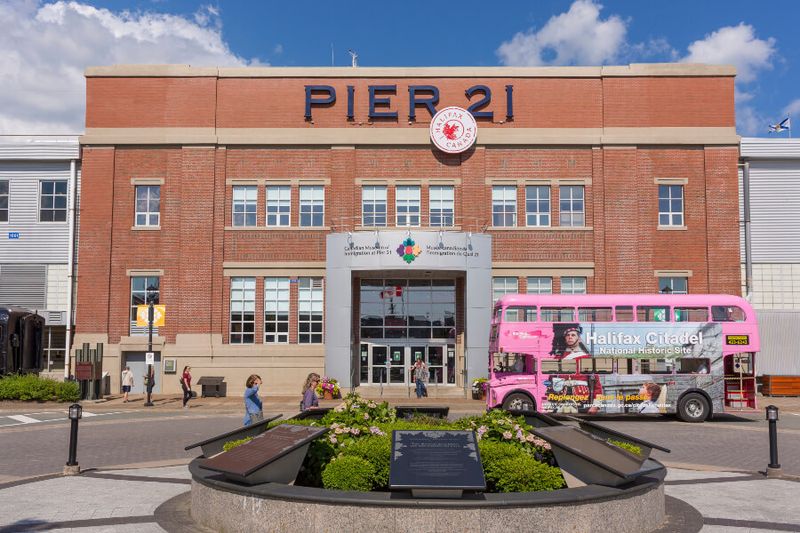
(127, 383)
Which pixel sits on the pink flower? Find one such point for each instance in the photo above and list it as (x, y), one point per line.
(506, 434)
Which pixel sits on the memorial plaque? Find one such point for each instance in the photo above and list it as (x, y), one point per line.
(273, 456)
(214, 445)
(316, 413)
(84, 371)
(433, 411)
(607, 433)
(436, 464)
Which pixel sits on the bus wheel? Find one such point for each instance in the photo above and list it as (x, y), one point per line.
(519, 402)
(693, 408)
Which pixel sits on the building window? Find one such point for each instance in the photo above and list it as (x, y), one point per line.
(243, 311)
(673, 285)
(571, 205)
(276, 310)
(53, 201)
(573, 285)
(537, 206)
(309, 310)
(148, 205)
(53, 342)
(245, 203)
(504, 285)
(670, 205)
(540, 285)
(407, 205)
(373, 205)
(144, 290)
(312, 205)
(504, 206)
(279, 205)
(3, 200)
(441, 205)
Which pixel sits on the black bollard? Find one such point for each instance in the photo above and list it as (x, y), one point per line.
(75, 413)
(774, 467)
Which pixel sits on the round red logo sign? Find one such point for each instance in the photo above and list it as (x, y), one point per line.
(453, 130)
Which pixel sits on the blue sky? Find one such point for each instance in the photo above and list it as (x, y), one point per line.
(50, 43)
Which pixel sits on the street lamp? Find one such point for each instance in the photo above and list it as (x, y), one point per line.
(75, 413)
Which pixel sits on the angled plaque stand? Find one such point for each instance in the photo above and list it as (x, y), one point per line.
(435, 464)
(606, 433)
(535, 419)
(214, 445)
(315, 414)
(274, 456)
(585, 459)
(433, 411)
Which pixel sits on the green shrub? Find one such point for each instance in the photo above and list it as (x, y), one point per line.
(348, 473)
(68, 391)
(509, 468)
(231, 444)
(376, 450)
(28, 387)
(634, 449)
(499, 426)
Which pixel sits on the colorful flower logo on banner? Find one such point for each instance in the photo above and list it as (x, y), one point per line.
(409, 250)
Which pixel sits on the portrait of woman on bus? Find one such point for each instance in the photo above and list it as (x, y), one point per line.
(567, 342)
(651, 391)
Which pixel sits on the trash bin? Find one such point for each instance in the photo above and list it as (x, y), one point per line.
(213, 386)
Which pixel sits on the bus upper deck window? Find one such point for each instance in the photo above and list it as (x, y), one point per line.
(624, 313)
(520, 313)
(594, 314)
(497, 312)
(691, 314)
(558, 314)
(727, 313)
(652, 313)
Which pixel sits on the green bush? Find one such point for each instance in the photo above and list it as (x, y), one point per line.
(634, 449)
(376, 450)
(348, 473)
(231, 444)
(28, 387)
(508, 468)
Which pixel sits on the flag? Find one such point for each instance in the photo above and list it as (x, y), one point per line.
(785, 124)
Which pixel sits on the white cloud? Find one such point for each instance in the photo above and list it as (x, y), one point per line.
(793, 108)
(750, 122)
(734, 45)
(47, 47)
(577, 37)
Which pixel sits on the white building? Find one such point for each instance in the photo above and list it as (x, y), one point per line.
(38, 195)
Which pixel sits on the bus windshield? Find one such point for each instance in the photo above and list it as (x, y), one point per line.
(614, 354)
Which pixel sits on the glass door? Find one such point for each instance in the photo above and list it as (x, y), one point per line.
(436, 363)
(378, 359)
(397, 370)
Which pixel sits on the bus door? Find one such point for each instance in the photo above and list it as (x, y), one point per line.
(740, 381)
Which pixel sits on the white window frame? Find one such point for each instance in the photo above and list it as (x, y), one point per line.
(148, 214)
(670, 281)
(407, 205)
(573, 285)
(540, 284)
(504, 285)
(5, 211)
(375, 196)
(441, 206)
(670, 217)
(534, 216)
(53, 196)
(572, 206)
(244, 205)
(312, 206)
(279, 206)
(148, 295)
(276, 303)
(243, 302)
(310, 302)
(504, 205)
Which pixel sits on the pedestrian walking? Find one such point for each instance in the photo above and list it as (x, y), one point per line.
(253, 408)
(186, 385)
(310, 398)
(127, 383)
(420, 370)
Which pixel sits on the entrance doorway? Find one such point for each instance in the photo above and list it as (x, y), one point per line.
(389, 363)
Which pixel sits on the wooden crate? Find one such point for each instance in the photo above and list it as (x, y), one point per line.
(780, 385)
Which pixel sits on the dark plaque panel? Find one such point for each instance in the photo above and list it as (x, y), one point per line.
(264, 449)
(436, 460)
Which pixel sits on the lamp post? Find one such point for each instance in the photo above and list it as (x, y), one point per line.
(774, 467)
(150, 373)
(75, 413)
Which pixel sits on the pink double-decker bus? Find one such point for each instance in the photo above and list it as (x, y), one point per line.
(693, 355)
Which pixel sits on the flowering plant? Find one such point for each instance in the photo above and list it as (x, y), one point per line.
(499, 426)
(357, 417)
(480, 384)
(330, 385)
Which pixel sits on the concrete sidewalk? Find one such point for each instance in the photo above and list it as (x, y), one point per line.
(157, 499)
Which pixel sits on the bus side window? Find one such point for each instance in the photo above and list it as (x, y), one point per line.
(596, 365)
(624, 313)
(521, 313)
(652, 313)
(726, 313)
(691, 314)
(625, 366)
(655, 366)
(558, 314)
(594, 314)
(693, 366)
(554, 366)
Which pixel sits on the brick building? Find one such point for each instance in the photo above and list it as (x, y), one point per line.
(266, 208)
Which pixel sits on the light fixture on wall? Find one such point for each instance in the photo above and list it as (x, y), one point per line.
(377, 240)
(441, 239)
(350, 239)
(469, 240)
